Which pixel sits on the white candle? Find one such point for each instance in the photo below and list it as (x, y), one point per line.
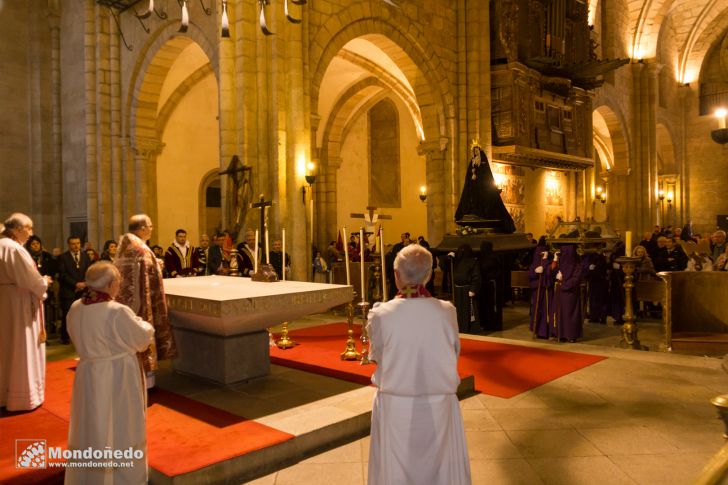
(361, 262)
(255, 256)
(346, 257)
(628, 244)
(283, 266)
(384, 275)
(267, 247)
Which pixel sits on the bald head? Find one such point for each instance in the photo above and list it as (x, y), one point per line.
(100, 275)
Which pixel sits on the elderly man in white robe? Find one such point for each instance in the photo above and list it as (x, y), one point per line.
(108, 405)
(22, 345)
(417, 433)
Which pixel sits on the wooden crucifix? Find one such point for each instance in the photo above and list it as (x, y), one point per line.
(239, 192)
(370, 219)
(262, 204)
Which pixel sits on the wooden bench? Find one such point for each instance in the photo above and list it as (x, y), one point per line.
(519, 282)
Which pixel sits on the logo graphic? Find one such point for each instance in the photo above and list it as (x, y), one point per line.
(30, 453)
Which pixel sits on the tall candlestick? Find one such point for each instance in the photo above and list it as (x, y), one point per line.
(346, 257)
(283, 265)
(384, 273)
(255, 256)
(628, 244)
(267, 247)
(361, 262)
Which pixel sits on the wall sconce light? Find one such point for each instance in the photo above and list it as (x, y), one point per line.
(310, 180)
(603, 197)
(721, 134)
(423, 193)
(661, 195)
(670, 197)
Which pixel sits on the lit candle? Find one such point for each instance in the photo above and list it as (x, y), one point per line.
(346, 257)
(628, 244)
(381, 253)
(255, 256)
(361, 262)
(283, 265)
(267, 247)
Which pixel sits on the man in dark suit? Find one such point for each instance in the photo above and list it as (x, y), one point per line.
(72, 266)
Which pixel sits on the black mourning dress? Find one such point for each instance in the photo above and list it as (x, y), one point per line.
(480, 203)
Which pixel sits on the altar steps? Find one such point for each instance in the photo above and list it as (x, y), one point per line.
(707, 343)
(317, 427)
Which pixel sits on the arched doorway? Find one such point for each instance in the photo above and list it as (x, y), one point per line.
(177, 108)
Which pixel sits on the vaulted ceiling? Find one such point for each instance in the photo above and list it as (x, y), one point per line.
(692, 27)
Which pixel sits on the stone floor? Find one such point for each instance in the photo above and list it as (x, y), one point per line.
(633, 418)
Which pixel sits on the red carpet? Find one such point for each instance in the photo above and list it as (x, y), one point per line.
(183, 434)
(502, 370)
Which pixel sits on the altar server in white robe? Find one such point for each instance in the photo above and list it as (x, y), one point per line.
(417, 434)
(108, 408)
(22, 330)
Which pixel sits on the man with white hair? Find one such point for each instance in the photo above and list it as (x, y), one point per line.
(22, 346)
(142, 290)
(417, 433)
(108, 405)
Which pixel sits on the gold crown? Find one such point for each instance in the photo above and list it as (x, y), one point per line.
(474, 143)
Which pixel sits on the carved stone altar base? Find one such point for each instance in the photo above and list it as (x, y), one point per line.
(220, 322)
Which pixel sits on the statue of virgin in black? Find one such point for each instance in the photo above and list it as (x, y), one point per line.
(480, 203)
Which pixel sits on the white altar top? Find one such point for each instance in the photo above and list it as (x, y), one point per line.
(225, 305)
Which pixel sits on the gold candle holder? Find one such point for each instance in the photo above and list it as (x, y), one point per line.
(629, 327)
(284, 342)
(364, 334)
(350, 352)
(234, 263)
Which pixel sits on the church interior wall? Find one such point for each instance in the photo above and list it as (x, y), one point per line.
(15, 186)
(707, 161)
(352, 191)
(191, 150)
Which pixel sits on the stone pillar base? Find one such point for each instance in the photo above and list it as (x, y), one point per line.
(224, 360)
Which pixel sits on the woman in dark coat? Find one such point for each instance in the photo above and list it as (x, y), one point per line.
(47, 266)
(567, 296)
(490, 298)
(467, 286)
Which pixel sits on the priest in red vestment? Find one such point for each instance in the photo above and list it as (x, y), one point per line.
(142, 290)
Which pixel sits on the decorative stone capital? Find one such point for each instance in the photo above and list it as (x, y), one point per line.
(147, 147)
(433, 147)
(615, 172)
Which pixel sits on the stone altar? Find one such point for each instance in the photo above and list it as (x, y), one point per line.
(220, 322)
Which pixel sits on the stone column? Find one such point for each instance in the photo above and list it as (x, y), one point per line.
(146, 151)
(435, 152)
(643, 163)
(327, 224)
(619, 213)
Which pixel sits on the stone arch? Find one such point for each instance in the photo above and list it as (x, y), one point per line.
(712, 33)
(616, 147)
(144, 90)
(208, 180)
(646, 18)
(432, 89)
(180, 91)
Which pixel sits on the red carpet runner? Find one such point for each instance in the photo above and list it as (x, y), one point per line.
(183, 435)
(502, 370)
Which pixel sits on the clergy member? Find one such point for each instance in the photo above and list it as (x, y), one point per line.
(108, 409)
(417, 433)
(276, 259)
(246, 252)
(142, 290)
(199, 256)
(567, 299)
(178, 258)
(22, 346)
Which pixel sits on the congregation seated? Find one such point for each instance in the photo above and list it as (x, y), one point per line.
(671, 257)
(645, 269)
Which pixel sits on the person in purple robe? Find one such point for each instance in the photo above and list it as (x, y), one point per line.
(616, 284)
(594, 270)
(539, 274)
(567, 296)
